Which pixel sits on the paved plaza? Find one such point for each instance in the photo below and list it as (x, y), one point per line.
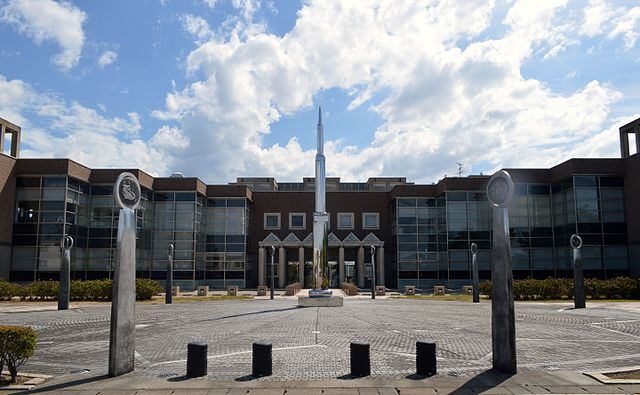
(313, 343)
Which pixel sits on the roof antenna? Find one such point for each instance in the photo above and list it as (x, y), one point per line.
(459, 169)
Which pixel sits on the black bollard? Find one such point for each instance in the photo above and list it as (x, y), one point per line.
(196, 359)
(360, 361)
(425, 359)
(261, 360)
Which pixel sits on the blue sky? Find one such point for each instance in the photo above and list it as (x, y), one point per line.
(229, 88)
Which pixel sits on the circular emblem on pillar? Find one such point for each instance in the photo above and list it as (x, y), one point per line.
(575, 241)
(500, 189)
(67, 242)
(127, 191)
(474, 248)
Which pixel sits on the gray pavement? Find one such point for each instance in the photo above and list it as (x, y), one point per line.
(313, 343)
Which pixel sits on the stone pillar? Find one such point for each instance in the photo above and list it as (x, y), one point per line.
(624, 144)
(281, 267)
(341, 265)
(2, 131)
(360, 268)
(380, 267)
(261, 267)
(301, 266)
(15, 144)
(637, 140)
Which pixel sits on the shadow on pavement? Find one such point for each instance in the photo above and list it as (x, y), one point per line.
(248, 377)
(61, 386)
(250, 313)
(482, 382)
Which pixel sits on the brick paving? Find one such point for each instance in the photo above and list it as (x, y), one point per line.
(313, 343)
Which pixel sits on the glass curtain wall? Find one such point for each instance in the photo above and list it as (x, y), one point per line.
(531, 232)
(416, 229)
(178, 217)
(593, 207)
(226, 240)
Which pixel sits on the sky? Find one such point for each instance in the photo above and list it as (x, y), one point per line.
(220, 89)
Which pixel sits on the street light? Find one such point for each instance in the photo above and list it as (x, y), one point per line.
(273, 252)
(373, 272)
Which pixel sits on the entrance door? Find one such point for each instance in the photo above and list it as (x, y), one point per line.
(308, 274)
(333, 275)
(292, 272)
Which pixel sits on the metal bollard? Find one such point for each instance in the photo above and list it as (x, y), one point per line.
(425, 358)
(360, 361)
(196, 359)
(261, 360)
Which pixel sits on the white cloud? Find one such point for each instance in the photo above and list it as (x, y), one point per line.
(55, 128)
(47, 20)
(602, 18)
(197, 27)
(440, 102)
(107, 58)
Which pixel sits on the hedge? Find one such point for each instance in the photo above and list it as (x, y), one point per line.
(80, 290)
(17, 344)
(562, 288)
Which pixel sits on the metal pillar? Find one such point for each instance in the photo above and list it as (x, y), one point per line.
(122, 332)
(474, 270)
(578, 274)
(65, 274)
(503, 325)
(122, 337)
(168, 283)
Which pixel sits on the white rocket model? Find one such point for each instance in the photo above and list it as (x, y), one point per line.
(320, 217)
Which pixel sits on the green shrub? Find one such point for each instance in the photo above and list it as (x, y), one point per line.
(146, 288)
(562, 288)
(42, 290)
(17, 344)
(9, 290)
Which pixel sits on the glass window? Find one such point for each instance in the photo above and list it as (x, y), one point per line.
(297, 220)
(370, 220)
(272, 220)
(345, 220)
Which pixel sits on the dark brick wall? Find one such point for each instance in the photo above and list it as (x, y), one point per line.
(632, 209)
(7, 197)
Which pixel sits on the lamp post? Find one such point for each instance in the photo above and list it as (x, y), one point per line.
(273, 252)
(373, 272)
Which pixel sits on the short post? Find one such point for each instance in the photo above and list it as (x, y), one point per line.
(261, 360)
(578, 274)
(168, 284)
(503, 324)
(360, 360)
(122, 332)
(426, 359)
(474, 269)
(373, 272)
(196, 359)
(65, 274)
(273, 252)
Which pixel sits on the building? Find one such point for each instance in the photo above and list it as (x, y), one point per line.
(223, 234)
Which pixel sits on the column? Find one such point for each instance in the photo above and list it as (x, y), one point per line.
(281, 267)
(637, 140)
(15, 144)
(261, 266)
(341, 265)
(2, 130)
(624, 144)
(301, 266)
(380, 267)
(360, 268)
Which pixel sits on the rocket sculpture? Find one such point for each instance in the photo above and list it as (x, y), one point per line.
(320, 217)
